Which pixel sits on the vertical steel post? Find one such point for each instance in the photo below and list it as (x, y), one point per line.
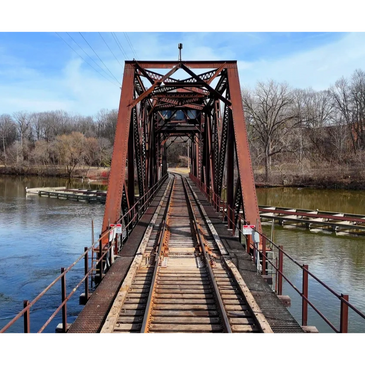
(249, 241)
(64, 307)
(130, 184)
(263, 271)
(101, 261)
(240, 227)
(344, 314)
(230, 172)
(305, 296)
(26, 317)
(86, 267)
(281, 266)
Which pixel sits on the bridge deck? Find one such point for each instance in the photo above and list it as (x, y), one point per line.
(96, 311)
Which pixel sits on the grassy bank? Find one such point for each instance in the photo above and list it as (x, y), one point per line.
(93, 173)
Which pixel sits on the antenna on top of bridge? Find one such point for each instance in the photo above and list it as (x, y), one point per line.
(180, 46)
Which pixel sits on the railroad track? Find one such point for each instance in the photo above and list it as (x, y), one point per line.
(184, 281)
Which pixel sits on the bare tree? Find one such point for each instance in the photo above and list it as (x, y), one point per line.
(358, 96)
(349, 101)
(315, 110)
(40, 153)
(71, 151)
(106, 122)
(23, 121)
(7, 133)
(269, 110)
(105, 151)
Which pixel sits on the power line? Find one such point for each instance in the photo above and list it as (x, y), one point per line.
(119, 45)
(130, 45)
(110, 49)
(99, 57)
(87, 55)
(85, 60)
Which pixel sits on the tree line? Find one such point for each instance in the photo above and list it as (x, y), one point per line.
(302, 129)
(289, 129)
(57, 138)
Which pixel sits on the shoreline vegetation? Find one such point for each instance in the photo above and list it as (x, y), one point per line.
(321, 178)
(297, 137)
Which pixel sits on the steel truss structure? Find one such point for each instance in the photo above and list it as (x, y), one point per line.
(200, 100)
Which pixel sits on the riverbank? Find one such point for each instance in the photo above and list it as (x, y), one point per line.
(83, 172)
(321, 178)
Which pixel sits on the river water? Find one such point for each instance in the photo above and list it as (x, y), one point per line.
(40, 235)
(338, 261)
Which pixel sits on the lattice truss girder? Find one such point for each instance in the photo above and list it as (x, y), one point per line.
(204, 105)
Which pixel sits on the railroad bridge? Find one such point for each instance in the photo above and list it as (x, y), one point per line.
(178, 269)
(185, 252)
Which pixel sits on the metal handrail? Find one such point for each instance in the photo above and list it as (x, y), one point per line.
(345, 304)
(27, 305)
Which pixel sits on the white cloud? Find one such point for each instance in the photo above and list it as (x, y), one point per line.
(80, 89)
(318, 68)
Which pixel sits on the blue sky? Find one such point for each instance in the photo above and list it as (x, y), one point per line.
(58, 67)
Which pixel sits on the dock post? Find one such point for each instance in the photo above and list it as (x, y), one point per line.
(26, 317)
(344, 314)
(280, 276)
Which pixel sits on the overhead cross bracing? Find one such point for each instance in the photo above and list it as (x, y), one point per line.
(200, 100)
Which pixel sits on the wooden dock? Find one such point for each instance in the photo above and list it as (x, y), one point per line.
(315, 221)
(80, 195)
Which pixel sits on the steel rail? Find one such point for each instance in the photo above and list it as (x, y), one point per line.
(198, 233)
(147, 314)
(183, 287)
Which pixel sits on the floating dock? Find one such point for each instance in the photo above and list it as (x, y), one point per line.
(80, 195)
(314, 220)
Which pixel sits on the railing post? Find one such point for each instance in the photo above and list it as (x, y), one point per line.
(233, 222)
(344, 314)
(248, 239)
(305, 296)
(86, 266)
(248, 242)
(280, 276)
(64, 307)
(100, 261)
(26, 317)
(240, 227)
(263, 271)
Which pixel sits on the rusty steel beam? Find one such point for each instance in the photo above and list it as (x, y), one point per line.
(118, 165)
(230, 172)
(154, 85)
(248, 189)
(206, 85)
(190, 64)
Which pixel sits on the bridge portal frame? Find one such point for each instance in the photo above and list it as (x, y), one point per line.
(219, 149)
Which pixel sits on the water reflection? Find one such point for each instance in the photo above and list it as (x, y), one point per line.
(38, 236)
(339, 261)
(344, 201)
